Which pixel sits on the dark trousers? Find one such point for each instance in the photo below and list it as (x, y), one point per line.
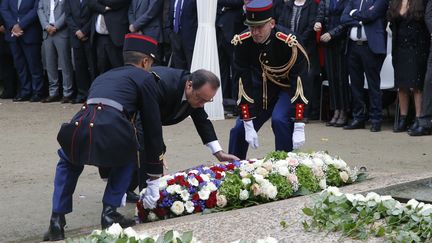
(108, 55)
(66, 178)
(85, 69)
(362, 61)
(225, 51)
(426, 109)
(281, 114)
(181, 52)
(28, 63)
(8, 73)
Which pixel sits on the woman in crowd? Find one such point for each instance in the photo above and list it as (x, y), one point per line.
(410, 48)
(333, 36)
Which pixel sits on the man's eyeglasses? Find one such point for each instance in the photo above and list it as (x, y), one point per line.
(199, 98)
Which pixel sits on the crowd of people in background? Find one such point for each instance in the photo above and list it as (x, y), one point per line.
(52, 50)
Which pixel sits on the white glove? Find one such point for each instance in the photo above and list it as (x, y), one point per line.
(251, 135)
(298, 137)
(151, 195)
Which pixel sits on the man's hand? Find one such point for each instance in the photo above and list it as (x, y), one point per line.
(298, 137)
(317, 26)
(17, 31)
(151, 195)
(51, 29)
(222, 156)
(79, 34)
(251, 135)
(107, 8)
(132, 28)
(2, 29)
(325, 37)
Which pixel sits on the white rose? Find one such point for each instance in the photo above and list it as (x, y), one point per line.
(281, 163)
(205, 177)
(210, 187)
(318, 162)
(243, 174)
(152, 216)
(350, 197)
(171, 189)
(360, 198)
(283, 171)
(177, 208)
(193, 181)
(256, 189)
(269, 190)
(189, 207)
(373, 196)
(247, 167)
(344, 176)
(221, 200)
(334, 191)
(341, 164)
(307, 162)
(204, 194)
(258, 163)
(258, 178)
(129, 232)
(115, 230)
(184, 194)
(261, 171)
(178, 189)
(267, 165)
(246, 181)
(323, 184)
(293, 162)
(162, 184)
(193, 172)
(244, 195)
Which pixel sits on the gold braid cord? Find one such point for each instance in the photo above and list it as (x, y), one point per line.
(299, 92)
(243, 94)
(236, 40)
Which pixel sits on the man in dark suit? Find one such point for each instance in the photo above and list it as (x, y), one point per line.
(229, 21)
(7, 69)
(78, 19)
(366, 54)
(24, 35)
(145, 17)
(109, 26)
(184, 23)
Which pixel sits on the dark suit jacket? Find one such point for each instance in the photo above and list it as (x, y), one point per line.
(188, 21)
(428, 15)
(373, 17)
(77, 18)
(116, 19)
(171, 85)
(230, 17)
(146, 16)
(330, 18)
(28, 20)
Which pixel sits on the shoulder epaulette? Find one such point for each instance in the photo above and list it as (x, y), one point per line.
(156, 76)
(239, 38)
(289, 39)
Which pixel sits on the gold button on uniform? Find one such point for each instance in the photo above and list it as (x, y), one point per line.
(91, 124)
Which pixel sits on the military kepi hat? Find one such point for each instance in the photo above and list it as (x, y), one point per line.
(258, 12)
(140, 43)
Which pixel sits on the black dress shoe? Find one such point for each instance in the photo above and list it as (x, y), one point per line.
(66, 99)
(35, 99)
(401, 126)
(415, 125)
(420, 131)
(21, 99)
(376, 127)
(132, 197)
(50, 99)
(56, 228)
(6, 96)
(110, 216)
(355, 124)
(78, 100)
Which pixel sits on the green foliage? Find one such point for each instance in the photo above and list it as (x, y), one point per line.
(283, 186)
(307, 180)
(231, 189)
(276, 155)
(333, 177)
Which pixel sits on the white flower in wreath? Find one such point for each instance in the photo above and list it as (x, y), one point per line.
(373, 196)
(344, 176)
(246, 181)
(177, 208)
(268, 190)
(258, 163)
(180, 174)
(282, 171)
(340, 164)
(412, 203)
(350, 197)
(307, 162)
(334, 191)
(204, 194)
(171, 189)
(162, 185)
(185, 195)
(193, 172)
(318, 172)
(210, 187)
(244, 195)
(426, 210)
(360, 198)
(189, 206)
(129, 232)
(292, 179)
(256, 189)
(262, 171)
(268, 166)
(193, 181)
(205, 177)
(293, 162)
(323, 184)
(115, 230)
(178, 189)
(281, 163)
(243, 174)
(221, 200)
(152, 216)
(258, 178)
(267, 240)
(318, 162)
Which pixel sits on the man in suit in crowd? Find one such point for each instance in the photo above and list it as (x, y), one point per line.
(184, 23)
(24, 35)
(57, 49)
(145, 17)
(229, 21)
(109, 26)
(7, 69)
(78, 19)
(366, 54)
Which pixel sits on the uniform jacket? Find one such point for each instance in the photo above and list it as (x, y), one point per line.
(275, 53)
(59, 17)
(373, 17)
(146, 16)
(78, 17)
(27, 17)
(116, 19)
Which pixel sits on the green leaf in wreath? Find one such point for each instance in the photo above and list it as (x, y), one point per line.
(380, 232)
(308, 211)
(169, 236)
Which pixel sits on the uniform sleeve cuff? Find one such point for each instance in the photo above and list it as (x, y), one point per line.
(214, 146)
(352, 12)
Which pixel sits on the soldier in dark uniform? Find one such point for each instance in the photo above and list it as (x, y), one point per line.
(102, 134)
(268, 62)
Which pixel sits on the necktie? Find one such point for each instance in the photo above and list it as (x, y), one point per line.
(183, 107)
(177, 15)
(19, 3)
(359, 28)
